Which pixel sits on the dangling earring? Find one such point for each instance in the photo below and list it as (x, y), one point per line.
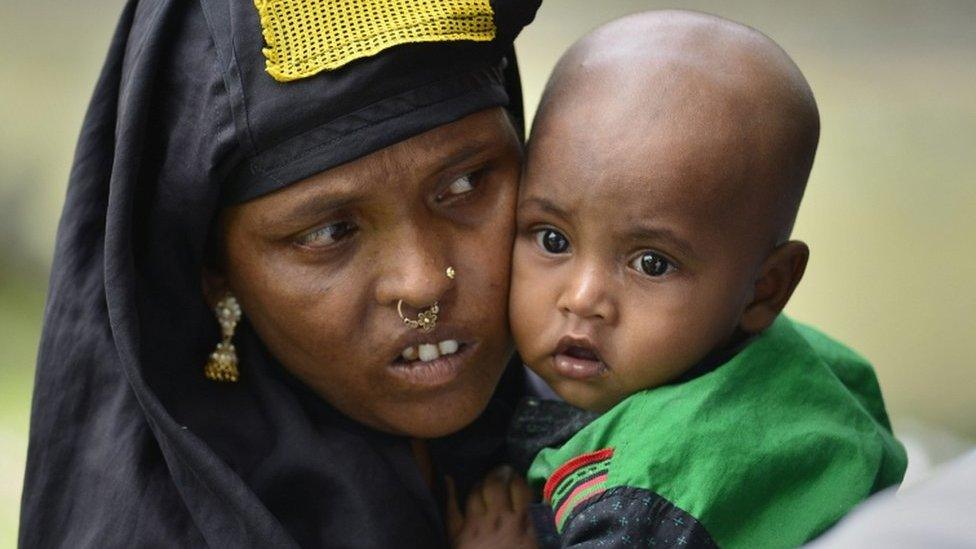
(222, 365)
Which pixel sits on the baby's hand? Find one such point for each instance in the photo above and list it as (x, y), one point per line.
(496, 513)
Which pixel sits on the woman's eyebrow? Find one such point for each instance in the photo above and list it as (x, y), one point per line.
(318, 206)
(463, 154)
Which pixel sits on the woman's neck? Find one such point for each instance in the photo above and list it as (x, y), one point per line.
(421, 454)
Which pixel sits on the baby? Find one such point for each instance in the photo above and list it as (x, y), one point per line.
(652, 261)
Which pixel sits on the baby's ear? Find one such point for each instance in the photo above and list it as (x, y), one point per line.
(778, 277)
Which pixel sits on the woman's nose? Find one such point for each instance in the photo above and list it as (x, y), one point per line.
(588, 295)
(416, 272)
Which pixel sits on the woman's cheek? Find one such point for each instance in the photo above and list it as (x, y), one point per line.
(526, 301)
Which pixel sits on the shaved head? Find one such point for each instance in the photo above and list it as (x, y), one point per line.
(718, 99)
(664, 171)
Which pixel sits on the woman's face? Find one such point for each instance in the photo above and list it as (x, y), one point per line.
(319, 268)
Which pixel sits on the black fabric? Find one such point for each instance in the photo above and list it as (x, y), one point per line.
(130, 446)
(544, 523)
(296, 129)
(542, 423)
(626, 517)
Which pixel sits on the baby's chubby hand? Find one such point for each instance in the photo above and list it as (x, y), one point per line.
(495, 515)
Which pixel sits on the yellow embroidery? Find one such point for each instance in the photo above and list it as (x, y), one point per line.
(305, 37)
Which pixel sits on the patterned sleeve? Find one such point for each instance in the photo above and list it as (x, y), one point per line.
(625, 516)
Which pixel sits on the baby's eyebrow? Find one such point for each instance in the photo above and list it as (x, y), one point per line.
(543, 204)
(645, 233)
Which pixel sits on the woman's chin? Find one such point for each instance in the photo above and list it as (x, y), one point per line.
(417, 399)
(439, 415)
(444, 411)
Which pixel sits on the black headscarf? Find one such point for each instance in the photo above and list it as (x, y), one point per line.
(130, 445)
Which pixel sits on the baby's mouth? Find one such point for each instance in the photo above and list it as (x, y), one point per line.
(577, 358)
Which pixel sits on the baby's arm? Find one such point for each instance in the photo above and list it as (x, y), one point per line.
(496, 513)
(627, 516)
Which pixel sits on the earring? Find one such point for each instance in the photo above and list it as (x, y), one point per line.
(222, 365)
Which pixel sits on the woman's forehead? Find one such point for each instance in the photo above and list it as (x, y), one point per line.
(476, 139)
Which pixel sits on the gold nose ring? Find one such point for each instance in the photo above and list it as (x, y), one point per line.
(427, 319)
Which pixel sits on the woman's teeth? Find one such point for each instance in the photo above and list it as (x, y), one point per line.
(430, 351)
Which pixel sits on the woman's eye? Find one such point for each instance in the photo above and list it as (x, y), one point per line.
(329, 234)
(552, 241)
(652, 264)
(459, 186)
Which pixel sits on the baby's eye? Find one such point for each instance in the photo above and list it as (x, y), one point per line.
(459, 186)
(327, 235)
(652, 264)
(552, 241)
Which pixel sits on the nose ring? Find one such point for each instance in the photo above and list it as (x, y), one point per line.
(427, 319)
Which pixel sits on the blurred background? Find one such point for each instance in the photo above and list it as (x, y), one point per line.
(889, 214)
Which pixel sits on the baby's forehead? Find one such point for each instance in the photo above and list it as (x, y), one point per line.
(617, 172)
(651, 156)
(620, 190)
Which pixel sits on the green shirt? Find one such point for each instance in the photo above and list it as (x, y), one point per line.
(767, 450)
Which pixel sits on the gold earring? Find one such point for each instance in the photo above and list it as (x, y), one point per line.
(222, 365)
(450, 272)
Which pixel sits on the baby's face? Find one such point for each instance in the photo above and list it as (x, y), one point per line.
(634, 257)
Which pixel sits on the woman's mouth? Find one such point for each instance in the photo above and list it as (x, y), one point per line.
(425, 352)
(431, 363)
(577, 358)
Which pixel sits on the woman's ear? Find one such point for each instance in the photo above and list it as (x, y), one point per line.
(214, 285)
(213, 280)
(778, 277)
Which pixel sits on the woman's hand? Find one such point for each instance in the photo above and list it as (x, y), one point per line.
(496, 513)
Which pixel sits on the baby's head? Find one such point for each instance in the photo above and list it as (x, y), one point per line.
(665, 169)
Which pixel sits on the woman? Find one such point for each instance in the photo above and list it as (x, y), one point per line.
(351, 190)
